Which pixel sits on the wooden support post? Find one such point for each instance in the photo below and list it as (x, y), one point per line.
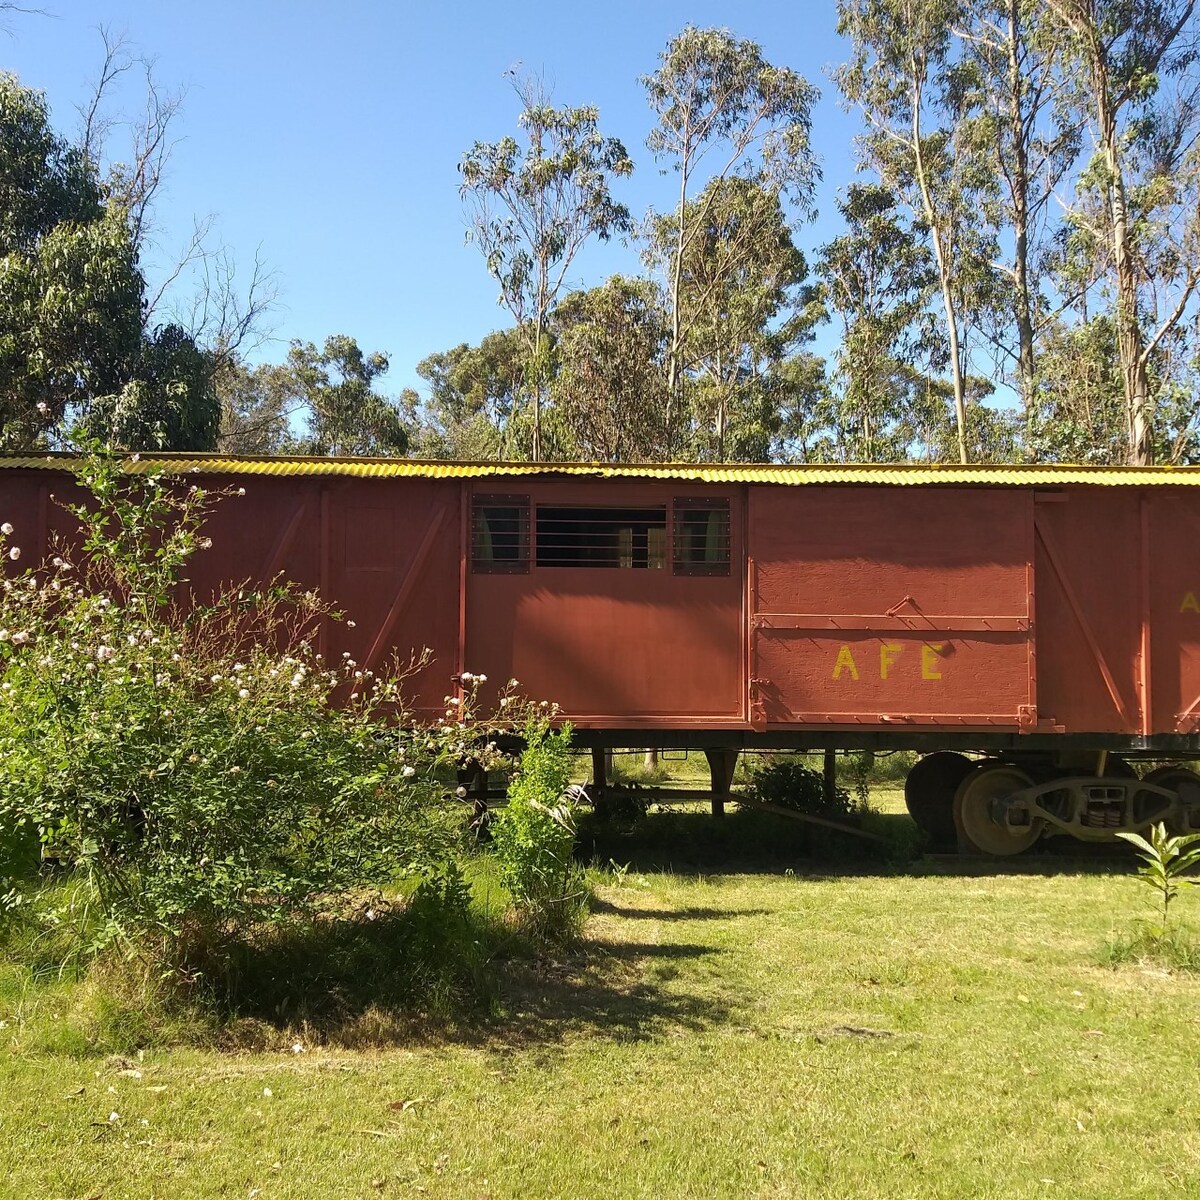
(721, 765)
(830, 778)
(601, 761)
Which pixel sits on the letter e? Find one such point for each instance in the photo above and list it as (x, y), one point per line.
(929, 661)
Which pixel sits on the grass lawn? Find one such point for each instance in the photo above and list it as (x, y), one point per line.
(949, 1032)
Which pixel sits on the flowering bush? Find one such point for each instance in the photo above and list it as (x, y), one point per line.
(185, 756)
(534, 835)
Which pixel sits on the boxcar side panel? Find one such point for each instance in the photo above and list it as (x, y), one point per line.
(385, 552)
(616, 647)
(891, 607)
(1089, 596)
(1172, 522)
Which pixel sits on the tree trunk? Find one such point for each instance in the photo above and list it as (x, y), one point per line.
(1023, 302)
(674, 368)
(943, 266)
(1134, 372)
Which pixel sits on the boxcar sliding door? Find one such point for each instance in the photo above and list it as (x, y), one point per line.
(891, 607)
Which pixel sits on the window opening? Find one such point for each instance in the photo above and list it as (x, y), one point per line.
(500, 535)
(617, 537)
(701, 536)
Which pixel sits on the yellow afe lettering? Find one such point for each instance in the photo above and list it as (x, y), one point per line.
(890, 654)
(1189, 604)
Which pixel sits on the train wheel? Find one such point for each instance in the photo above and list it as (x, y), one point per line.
(1186, 783)
(977, 828)
(929, 793)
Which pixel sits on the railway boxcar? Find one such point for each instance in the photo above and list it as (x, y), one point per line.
(1046, 618)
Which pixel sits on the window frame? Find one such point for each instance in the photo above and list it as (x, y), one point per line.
(681, 506)
(480, 503)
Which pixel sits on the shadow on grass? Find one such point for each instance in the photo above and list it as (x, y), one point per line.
(396, 980)
(752, 842)
(605, 991)
(688, 913)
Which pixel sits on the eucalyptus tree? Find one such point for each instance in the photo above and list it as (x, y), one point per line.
(70, 288)
(722, 109)
(473, 392)
(611, 387)
(877, 279)
(905, 74)
(1130, 68)
(532, 204)
(256, 408)
(334, 387)
(742, 281)
(1030, 140)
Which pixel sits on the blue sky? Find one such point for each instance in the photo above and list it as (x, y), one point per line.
(326, 138)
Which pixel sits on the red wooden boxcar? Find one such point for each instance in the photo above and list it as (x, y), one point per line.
(1048, 617)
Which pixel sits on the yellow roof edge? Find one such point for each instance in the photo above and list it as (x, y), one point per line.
(895, 474)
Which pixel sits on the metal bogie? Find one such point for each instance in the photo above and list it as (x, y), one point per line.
(1091, 808)
(1000, 809)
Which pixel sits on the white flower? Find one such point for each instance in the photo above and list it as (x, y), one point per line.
(20, 637)
(235, 770)
(298, 1048)
(240, 492)
(216, 678)
(481, 678)
(408, 772)
(461, 792)
(351, 624)
(244, 693)
(4, 635)
(15, 553)
(512, 683)
(6, 529)
(205, 543)
(43, 408)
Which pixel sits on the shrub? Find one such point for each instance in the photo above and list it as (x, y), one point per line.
(789, 783)
(534, 837)
(187, 758)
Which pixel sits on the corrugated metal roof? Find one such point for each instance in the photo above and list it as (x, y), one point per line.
(901, 474)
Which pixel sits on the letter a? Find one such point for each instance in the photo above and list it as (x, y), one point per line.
(845, 660)
(1189, 603)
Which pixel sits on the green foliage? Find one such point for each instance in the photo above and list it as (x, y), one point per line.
(184, 756)
(334, 388)
(73, 304)
(611, 385)
(533, 205)
(534, 837)
(1166, 861)
(790, 783)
